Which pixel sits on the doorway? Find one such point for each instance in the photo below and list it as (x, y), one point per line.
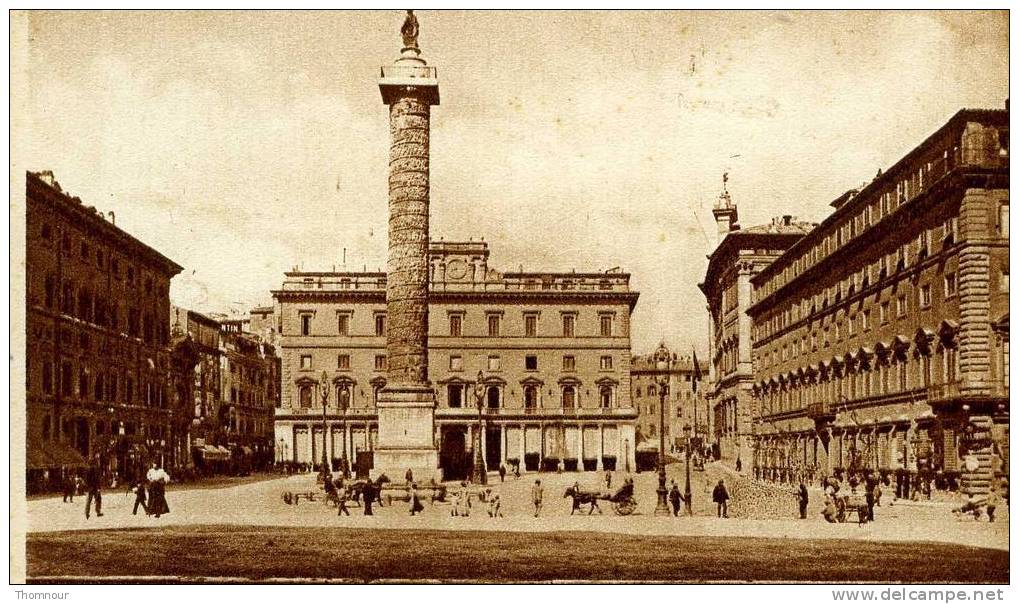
(454, 456)
(493, 447)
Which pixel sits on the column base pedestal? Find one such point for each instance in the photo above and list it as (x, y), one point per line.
(407, 434)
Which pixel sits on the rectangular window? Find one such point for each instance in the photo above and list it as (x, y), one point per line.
(950, 285)
(343, 361)
(380, 362)
(454, 394)
(456, 363)
(884, 312)
(531, 362)
(925, 296)
(530, 325)
(1003, 220)
(305, 361)
(343, 324)
(305, 325)
(569, 324)
(901, 306)
(569, 363)
(455, 325)
(380, 324)
(493, 325)
(606, 326)
(851, 325)
(47, 377)
(606, 363)
(494, 363)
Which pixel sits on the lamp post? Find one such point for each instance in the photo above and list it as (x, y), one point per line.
(687, 495)
(662, 364)
(325, 399)
(478, 474)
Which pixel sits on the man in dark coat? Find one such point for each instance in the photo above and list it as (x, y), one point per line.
(94, 485)
(675, 499)
(139, 497)
(69, 485)
(721, 496)
(804, 498)
(367, 496)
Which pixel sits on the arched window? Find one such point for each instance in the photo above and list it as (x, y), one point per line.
(343, 396)
(306, 393)
(638, 391)
(493, 397)
(569, 397)
(606, 396)
(376, 389)
(530, 397)
(652, 390)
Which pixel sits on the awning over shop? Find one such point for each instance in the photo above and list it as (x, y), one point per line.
(211, 453)
(52, 454)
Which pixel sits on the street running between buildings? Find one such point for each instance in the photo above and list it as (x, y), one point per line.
(906, 594)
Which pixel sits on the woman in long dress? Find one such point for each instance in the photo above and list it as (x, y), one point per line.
(157, 493)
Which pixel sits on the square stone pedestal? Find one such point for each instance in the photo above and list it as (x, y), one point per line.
(407, 434)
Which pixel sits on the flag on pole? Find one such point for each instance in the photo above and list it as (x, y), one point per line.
(696, 372)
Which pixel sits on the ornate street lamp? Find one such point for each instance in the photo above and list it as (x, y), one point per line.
(325, 398)
(478, 474)
(687, 494)
(662, 364)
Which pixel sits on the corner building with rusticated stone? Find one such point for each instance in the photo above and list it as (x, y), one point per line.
(553, 351)
(880, 338)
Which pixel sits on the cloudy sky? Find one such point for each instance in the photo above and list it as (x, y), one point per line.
(241, 144)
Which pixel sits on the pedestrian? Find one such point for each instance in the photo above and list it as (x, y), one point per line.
(409, 476)
(494, 506)
(804, 497)
(516, 470)
(536, 495)
(367, 495)
(830, 513)
(415, 500)
(739, 465)
(157, 492)
(139, 497)
(454, 509)
(721, 496)
(675, 499)
(93, 486)
(341, 501)
(502, 473)
(69, 486)
(608, 480)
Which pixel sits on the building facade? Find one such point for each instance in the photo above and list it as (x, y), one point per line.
(741, 254)
(684, 404)
(228, 380)
(98, 355)
(881, 338)
(552, 351)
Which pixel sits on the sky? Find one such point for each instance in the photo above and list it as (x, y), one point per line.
(243, 144)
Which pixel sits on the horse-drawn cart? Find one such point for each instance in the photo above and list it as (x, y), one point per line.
(623, 502)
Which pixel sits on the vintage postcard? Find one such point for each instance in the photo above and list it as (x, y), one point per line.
(525, 296)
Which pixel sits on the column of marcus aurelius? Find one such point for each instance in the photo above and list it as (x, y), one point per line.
(406, 406)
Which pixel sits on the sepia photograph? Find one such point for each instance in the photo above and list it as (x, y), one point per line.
(710, 297)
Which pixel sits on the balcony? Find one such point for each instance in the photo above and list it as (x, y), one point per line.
(821, 412)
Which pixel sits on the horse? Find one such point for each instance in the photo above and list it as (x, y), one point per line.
(368, 489)
(582, 497)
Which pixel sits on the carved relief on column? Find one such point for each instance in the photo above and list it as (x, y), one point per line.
(407, 279)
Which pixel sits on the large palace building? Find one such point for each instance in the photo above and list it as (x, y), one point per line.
(741, 254)
(98, 357)
(881, 337)
(548, 354)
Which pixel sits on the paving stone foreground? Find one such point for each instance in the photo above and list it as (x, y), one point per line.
(261, 504)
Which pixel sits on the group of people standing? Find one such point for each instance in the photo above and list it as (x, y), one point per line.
(150, 492)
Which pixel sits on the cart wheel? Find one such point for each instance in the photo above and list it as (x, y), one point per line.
(625, 508)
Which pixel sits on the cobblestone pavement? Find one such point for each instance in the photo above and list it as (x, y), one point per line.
(261, 504)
